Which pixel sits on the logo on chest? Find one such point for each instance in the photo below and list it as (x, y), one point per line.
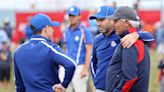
(113, 43)
(77, 38)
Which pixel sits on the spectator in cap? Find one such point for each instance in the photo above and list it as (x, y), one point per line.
(8, 29)
(3, 37)
(105, 44)
(36, 62)
(5, 63)
(78, 42)
(129, 68)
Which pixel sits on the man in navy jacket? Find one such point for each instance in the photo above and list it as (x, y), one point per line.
(129, 68)
(36, 62)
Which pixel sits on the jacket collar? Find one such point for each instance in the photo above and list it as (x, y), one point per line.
(40, 38)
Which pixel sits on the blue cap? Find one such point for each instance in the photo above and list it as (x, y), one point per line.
(103, 12)
(40, 21)
(73, 11)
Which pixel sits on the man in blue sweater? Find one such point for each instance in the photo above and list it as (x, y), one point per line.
(129, 68)
(105, 44)
(36, 62)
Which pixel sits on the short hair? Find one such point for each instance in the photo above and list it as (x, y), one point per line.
(34, 31)
(134, 23)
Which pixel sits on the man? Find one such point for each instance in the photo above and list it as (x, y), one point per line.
(105, 44)
(36, 62)
(78, 41)
(129, 68)
(3, 37)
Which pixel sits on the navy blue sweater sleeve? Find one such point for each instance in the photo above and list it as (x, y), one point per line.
(145, 36)
(129, 66)
(18, 79)
(93, 61)
(69, 65)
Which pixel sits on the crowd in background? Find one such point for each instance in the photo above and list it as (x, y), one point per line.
(10, 39)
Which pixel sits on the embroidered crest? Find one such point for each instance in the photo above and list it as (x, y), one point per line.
(113, 44)
(76, 38)
(72, 9)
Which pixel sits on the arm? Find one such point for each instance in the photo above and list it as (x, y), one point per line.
(19, 86)
(69, 65)
(128, 40)
(88, 47)
(145, 36)
(87, 60)
(93, 62)
(129, 68)
(9, 58)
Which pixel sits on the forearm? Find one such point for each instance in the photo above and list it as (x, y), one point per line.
(145, 36)
(87, 60)
(68, 76)
(88, 56)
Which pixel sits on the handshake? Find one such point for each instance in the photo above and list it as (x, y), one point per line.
(58, 88)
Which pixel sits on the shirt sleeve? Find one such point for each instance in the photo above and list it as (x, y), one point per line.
(93, 62)
(88, 36)
(61, 59)
(145, 36)
(129, 67)
(19, 86)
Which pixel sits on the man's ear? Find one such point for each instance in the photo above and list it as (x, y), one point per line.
(128, 23)
(44, 30)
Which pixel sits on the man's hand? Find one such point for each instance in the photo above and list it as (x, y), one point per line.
(3, 56)
(128, 40)
(84, 73)
(58, 88)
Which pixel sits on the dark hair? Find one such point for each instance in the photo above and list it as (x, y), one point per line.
(34, 30)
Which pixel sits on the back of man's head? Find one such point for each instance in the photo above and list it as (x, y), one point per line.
(40, 21)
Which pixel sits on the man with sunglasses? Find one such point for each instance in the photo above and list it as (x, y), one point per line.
(105, 44)
(129, 68)
(78, 40)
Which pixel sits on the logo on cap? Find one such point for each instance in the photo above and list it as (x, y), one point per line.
(98, 10)
(72, 9)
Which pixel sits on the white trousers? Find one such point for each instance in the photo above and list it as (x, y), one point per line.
(77, 84)
(98, 90)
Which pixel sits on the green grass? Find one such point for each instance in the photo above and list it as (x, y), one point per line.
(153, 86)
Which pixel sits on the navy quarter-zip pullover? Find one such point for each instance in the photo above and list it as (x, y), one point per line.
(129, 69)
(36, 65)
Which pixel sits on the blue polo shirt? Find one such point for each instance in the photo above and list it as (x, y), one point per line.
(103, 49)
(75, 42)
(36, 64)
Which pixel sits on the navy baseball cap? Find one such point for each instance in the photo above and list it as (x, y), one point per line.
(40, 21)
(73, 11)
(124, 12)
(103, 12)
